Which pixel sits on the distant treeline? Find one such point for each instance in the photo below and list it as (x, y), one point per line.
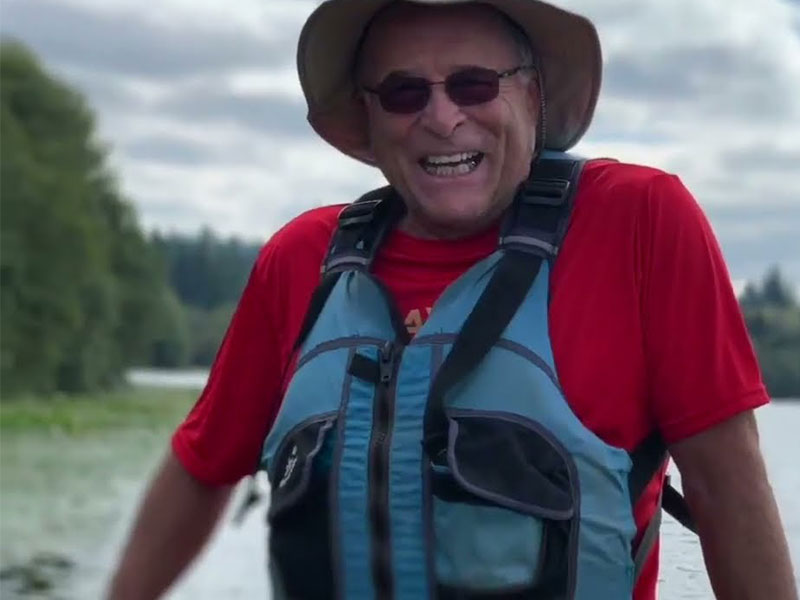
(772, 312)
(85, 294)
(207, 274)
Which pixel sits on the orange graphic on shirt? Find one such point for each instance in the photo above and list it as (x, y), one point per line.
(416, 318)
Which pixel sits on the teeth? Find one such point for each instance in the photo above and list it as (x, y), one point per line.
(450, 158)
(449, 171)
(450, 166)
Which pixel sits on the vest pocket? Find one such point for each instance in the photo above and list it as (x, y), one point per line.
(504, 511)
(299, 544)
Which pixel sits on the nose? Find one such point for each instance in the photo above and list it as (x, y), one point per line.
(441, 116)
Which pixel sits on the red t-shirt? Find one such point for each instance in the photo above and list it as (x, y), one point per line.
(645, 328)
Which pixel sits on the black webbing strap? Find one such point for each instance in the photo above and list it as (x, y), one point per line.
(675, 505)
(647, 460)
(648, 540)
(531, 234)
(494, 310)
(361, 228)
(538, 223)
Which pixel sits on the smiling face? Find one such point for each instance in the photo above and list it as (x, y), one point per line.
(456, 167)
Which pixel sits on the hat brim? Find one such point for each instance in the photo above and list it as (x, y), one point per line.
(566, 44)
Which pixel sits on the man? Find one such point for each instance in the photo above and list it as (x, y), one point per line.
(445, 416)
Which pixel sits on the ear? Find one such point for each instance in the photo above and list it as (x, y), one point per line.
(534, 94)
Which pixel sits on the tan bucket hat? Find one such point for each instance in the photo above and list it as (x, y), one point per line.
(566, 44)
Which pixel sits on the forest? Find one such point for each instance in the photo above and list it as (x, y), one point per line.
(86, 293)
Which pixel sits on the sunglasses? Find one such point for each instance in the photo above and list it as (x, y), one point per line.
(405, 94)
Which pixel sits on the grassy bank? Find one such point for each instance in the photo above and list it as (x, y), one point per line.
(84, 415)
(71, 471)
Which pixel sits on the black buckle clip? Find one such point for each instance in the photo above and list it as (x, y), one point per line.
(550, 192)
(358, 213)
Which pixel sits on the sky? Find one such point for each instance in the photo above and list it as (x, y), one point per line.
(199, 105)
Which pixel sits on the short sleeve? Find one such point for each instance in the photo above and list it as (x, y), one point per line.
(701, 364)
(220, 440)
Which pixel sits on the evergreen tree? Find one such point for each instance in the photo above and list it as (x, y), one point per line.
(81, 294)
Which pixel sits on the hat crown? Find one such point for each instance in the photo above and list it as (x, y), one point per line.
(566, 44)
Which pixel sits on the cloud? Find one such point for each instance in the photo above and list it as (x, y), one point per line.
(131, 43)
(170, 151)
(201, 105)
(261, 113)
(757, 236)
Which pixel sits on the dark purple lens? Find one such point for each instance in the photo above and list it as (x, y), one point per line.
(403, 94)
(472, 86)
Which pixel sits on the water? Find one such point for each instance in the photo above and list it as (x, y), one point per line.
(48, 510)
(194, 379)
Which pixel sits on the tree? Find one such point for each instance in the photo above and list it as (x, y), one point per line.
(773, 319)
(81, 291)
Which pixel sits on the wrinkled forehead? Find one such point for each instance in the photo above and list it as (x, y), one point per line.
(405, 32)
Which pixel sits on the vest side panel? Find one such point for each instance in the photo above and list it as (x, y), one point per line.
(315, 389)
(607, 528)
(407, 476)
(355, 308)
(351, 509)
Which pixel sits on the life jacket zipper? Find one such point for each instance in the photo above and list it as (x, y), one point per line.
(379, 449)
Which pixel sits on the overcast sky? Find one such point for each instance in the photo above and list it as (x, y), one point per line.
(199, 102)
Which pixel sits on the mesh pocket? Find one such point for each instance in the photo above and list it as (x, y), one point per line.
(503, 510)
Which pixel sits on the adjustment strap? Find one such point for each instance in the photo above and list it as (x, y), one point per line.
(361, 229)
(532, 233)
(648, 540)
(647, 460)
(676, 506)
(540, 217)
(497, 305)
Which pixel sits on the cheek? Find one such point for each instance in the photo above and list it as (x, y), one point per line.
(387, 132)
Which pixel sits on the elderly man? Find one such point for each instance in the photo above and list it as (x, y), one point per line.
(450, 411)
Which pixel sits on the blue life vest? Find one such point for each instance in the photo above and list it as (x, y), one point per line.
(448, 465)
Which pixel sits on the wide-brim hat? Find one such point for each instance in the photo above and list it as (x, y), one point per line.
(566, 45)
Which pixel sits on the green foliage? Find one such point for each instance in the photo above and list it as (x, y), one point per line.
(205, 271)
(773, 319)
(83, 293)
(208, 327)
(208, 275)
(83, 413)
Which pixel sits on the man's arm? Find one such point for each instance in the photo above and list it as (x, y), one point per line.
(725, 483)
(175, 520)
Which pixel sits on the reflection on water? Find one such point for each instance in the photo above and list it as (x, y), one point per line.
(47, 510)
(194, 379)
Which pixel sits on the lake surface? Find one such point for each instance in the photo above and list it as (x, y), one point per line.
(46, 510)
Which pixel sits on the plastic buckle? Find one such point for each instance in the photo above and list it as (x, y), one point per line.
(528, 244)
(550, 192)
(358, 213)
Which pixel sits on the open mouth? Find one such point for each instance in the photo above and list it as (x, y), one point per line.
(451, 165)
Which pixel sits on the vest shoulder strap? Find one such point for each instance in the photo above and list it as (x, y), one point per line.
(360, 230)
(539, 218)
(532, 232)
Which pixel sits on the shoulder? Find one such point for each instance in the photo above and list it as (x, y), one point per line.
(621, 180)
(638, 192)
(299, 245)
